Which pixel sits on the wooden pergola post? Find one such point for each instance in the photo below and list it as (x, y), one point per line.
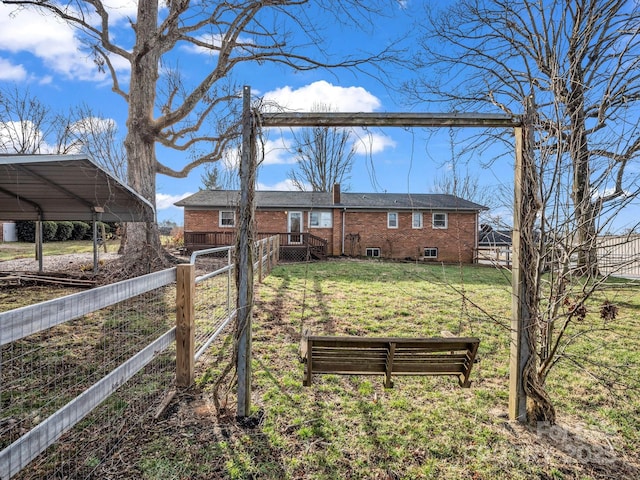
(244, 258)
(519, 352)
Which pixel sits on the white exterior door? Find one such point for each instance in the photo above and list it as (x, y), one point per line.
(295, 227)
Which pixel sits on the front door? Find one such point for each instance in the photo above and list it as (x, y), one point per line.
(295, 227)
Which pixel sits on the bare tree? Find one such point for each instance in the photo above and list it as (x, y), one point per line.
(324, 156)
(100, 138)
(576, 65)
(578, 60)
(25, 123)
(165, 109)
(459, 181)
(29, 126)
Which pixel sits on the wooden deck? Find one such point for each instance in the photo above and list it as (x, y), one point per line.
(293, 246)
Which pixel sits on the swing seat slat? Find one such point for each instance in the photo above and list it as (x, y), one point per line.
(389, 356)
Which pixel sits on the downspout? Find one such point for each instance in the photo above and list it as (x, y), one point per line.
(477, 238)
(344, 216)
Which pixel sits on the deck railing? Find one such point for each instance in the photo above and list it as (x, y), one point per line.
(314, 245)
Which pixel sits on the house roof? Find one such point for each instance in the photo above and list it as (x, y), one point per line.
(65, 187)
(494, 237)
(323, 200)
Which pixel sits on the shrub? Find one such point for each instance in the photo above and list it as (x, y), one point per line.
(107, 229)
(116, 230)
(26, 231)
(80, 230)
(49, 230)
(64, 232)
(177, 236)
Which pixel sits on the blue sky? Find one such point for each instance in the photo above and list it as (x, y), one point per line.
(44, 55)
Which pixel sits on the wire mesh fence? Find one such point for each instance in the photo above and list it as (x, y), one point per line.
(78, 372)
(215, 300)
(45, 371)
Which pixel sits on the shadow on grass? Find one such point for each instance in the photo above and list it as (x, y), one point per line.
(589, 448)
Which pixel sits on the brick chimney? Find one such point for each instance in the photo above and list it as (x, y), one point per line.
(336, 193)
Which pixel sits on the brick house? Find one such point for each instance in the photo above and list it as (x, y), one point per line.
(436, 227)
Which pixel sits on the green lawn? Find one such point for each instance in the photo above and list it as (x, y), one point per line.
(351, 427)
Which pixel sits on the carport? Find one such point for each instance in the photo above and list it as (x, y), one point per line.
(66, 188)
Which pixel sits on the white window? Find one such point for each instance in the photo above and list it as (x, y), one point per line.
(227, 218)
(416, 220)
(392, 220)
(373, 252)
(431, 252)
(439, 220)
(320, 220)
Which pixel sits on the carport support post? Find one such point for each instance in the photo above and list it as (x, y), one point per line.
(39, 240)
(244, 262)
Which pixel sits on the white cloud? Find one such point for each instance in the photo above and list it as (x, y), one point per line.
(368, 143)
(230, 160)
(284, 185)
(342, 99)
(50, 39)
(121, 9)
(214, 39)
(164, 201)
(17, 136)
(93, 124)
(11, 72)
(277, 152)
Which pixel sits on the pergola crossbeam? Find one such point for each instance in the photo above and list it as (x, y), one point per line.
(375, 119)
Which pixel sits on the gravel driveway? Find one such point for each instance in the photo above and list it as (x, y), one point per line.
(73, 262)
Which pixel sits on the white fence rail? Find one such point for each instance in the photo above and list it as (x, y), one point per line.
(120, 329)
(497, 256)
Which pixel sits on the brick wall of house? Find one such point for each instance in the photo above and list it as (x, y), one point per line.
(272, 221)
(201, 220)
(369, 230)
(365, 230)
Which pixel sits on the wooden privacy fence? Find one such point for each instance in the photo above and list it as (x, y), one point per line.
(619, 255)
(95, 356)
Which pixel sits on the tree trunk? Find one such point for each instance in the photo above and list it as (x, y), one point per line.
(142, 241)
(539, 406)
(585, 210)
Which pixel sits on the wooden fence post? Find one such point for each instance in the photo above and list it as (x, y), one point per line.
(260, 257)
(185, 324)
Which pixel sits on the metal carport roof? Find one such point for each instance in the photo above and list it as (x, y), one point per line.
(65, 187)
